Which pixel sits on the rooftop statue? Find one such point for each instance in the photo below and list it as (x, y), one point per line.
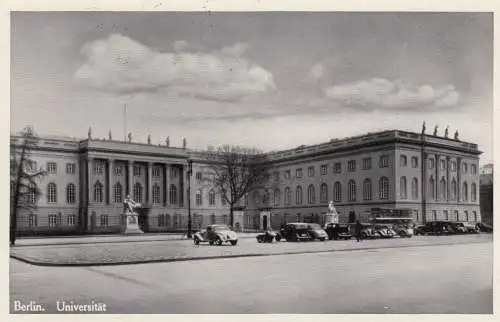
(89, 135)
(110, 136)
(149, 139)
(129, 137)
(184, 143)
(446, 132)
(435, 130)
(423, 128)
(456, 135)
(167, 141)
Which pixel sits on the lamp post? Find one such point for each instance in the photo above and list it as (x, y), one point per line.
(190, 172)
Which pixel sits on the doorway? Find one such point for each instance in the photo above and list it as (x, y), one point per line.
(352, 216)
(264, 222)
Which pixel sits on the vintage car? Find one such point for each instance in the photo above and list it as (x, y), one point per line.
(216, 234)
(338, 231)
(385, 231)
(297, 231)
(403, 230)
(316, 232)
(268, 236)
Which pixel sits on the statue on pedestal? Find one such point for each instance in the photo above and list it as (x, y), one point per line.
(332, 216)
(131, 217)
(435, 130)
(456, 135)
(149, 139)
(423, 128)
(446, 132)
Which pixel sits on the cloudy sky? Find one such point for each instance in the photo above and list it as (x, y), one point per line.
(267, 80)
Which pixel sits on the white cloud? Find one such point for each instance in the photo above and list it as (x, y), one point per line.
(121, 65)
(382, 93)
(317, 71)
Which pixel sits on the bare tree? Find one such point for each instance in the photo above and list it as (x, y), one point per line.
(24, 178)
(237, 171)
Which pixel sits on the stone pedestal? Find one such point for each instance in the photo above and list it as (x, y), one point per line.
(238, 216)
(331, 218)
(132, 224)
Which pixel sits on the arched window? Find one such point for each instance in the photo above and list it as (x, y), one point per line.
(383, 188)
(311, 194)
(432, 189)
(277, 197)
(117, 193)
(288, 196)
(199, 198)
(138, 192)
(402, 188)
(351, 188)
(298, 195)
(453, 191)
(32, 195)
(156, 194)
(367, 189)
(265, 198)
(98, 194)
(414, 189)
(212, 219)
(211, 198)
(323, 193)
(465, 192)
(473, 191)
(173, 194)
(168, 220)
(51, 193)
(403, 160)
(442, 187)
(70, 193)
(337, 191)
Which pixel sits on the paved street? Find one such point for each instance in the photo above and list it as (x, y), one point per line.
(421, 279)
(166, 250)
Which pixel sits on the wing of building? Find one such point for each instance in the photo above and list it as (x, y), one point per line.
(385, 173)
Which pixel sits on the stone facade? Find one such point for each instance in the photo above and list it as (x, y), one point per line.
(428, 177)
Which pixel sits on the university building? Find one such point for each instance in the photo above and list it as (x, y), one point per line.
(391, 172)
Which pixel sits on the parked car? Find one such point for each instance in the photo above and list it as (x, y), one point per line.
(384, 231)
(343, 231)
(268, 236)
(471, 228)
(316, 232)
(368, 231)
(485, 227)
(436, 228)
(295, 232)
(403, 230)
(216, 234)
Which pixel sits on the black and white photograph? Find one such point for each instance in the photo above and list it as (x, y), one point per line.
(251, 162)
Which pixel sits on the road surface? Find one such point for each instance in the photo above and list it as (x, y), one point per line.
(422, 279)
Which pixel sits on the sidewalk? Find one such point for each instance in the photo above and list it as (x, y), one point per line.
(98, 239)
(164, 251)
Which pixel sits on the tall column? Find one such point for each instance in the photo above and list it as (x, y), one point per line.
(88, 225)
(459, 180)
(438, 179)
(150, 185)
(130, 174)
(165, 184)
(111, 163)
(182, 179)
(448, 166)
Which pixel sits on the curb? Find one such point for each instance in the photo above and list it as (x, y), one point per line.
(188, 258)
(113, 242)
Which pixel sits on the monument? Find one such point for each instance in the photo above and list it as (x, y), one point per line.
(332, 216)
(131, 216)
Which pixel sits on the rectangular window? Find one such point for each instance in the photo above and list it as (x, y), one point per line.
(453, 166)
(324, 169)
(403, 161)
(156, 172)
(434, 215)
(287, 175)
(32, 221)
(174, 173)
(70, 168)
(351, 166)
(310, 172)
(337, 167)
(465, 168)
(198, 177)
(414, 162)
(276, 176)
(98, 167)
(118, 170)
(367, 163)
(71, 220)
(104, 221)
(384, 161)
(298, 173)
(443, 164)
(473, 169)
(137, 171)
(457, 218)
(445, 212)
(52, 221)
(51, 167)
